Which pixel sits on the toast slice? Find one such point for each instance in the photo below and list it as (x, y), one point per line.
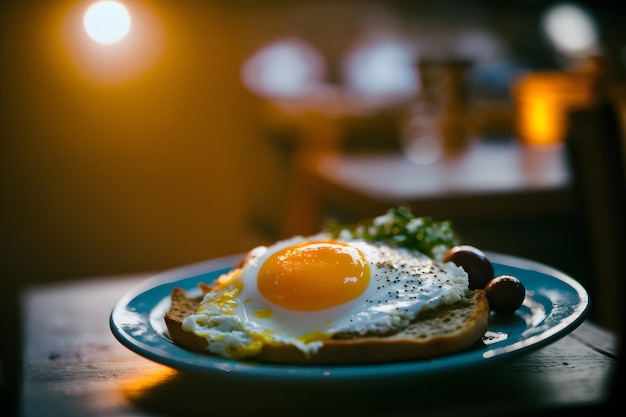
(434, 333)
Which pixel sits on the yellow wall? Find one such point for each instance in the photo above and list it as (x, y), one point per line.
(105, 171)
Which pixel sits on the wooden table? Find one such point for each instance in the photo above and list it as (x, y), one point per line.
(73, 366)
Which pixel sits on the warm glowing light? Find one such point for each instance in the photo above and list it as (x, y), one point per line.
(543, 102)
(150, 379)
(135, 55)
(107, 22)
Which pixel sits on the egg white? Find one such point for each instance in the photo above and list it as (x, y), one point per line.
(402, 283)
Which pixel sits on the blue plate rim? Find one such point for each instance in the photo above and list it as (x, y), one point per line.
(132, 329)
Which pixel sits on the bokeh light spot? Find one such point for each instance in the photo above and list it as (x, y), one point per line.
(107, 22)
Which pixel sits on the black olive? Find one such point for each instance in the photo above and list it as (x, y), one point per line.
(478, 267)
(505, 294)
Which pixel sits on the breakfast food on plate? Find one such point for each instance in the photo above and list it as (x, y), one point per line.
(505, 294)
(378, 291)
(478, 267)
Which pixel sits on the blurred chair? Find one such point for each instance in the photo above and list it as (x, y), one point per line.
(313, 129)
(597, 150)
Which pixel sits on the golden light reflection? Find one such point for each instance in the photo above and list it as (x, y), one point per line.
(543, 101)
(107, 22)
(107, 62)
(138, 387)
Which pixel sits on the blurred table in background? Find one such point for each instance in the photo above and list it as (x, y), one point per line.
(492, 180)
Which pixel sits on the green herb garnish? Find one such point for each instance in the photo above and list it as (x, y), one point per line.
(400, 228)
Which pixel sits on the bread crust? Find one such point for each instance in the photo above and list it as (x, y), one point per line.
(445, 330)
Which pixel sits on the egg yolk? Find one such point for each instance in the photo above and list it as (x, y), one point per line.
(314, 275)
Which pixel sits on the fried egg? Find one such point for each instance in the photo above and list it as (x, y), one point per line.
(302, 291)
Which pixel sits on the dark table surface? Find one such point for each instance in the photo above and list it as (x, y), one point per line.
(74, 366)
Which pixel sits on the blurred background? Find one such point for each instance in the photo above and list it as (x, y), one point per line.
(192, 137)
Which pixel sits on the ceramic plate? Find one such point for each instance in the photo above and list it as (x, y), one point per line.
(555, 305)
